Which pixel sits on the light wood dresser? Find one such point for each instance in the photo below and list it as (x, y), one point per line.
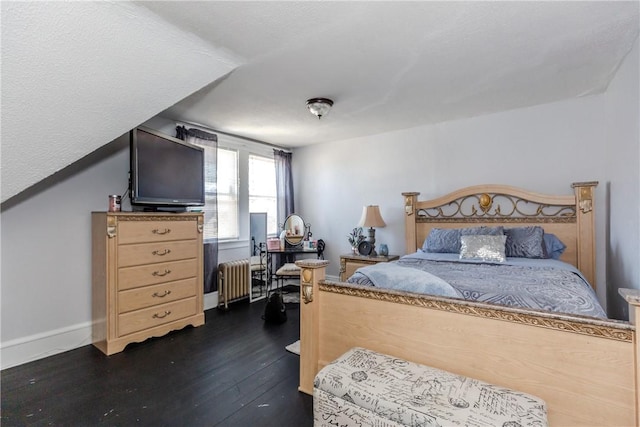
(350, 263)
(147, 276)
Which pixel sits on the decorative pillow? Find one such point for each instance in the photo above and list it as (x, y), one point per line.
(553, 246)
(482, 230)
(483, 247)
(442, 240)
(525, 242)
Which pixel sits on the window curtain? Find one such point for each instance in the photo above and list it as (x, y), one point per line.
(209, 142)
(284, 185)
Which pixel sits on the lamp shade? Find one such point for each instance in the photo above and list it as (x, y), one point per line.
(371, 217)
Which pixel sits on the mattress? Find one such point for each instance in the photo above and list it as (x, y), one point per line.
(538, 284)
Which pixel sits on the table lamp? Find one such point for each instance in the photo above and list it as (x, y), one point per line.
(371, 218)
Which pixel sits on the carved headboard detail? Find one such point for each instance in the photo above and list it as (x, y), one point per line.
(570, 217)
(498, 207)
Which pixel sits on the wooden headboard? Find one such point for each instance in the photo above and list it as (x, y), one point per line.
(571, 218)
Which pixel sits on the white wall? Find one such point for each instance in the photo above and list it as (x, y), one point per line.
(543, 148)
(622, 140)
(46, 262)
(45, 297)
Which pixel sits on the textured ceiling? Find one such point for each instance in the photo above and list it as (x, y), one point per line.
(393, 65)
(77, 75)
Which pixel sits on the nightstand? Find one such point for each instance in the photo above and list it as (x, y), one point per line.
(350, 263)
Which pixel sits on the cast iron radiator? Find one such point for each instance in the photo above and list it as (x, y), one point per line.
(233, 281)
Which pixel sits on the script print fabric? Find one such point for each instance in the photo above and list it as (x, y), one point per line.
(529, 287)
(331, 411)
(366, 388)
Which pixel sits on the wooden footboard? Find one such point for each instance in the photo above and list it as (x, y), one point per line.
(585, 369)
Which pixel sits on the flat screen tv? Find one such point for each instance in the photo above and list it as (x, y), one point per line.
(166, 173)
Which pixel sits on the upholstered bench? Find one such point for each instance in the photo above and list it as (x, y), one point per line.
(366, 388)
(287, 271)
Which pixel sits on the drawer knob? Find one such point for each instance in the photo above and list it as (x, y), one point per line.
(161, 274)
(157, 295)
(163, 253)
(161, 232)
(161, 316)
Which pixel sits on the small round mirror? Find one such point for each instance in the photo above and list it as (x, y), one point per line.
(294, 230)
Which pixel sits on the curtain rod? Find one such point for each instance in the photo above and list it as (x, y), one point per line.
(257, 141)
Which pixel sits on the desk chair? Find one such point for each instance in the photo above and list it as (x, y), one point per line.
(288, 271)
(258, 267)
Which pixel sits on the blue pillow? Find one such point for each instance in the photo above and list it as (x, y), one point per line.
(525, 242)
(447, 240)
(553, 246)
(442, 240)
(482, 231)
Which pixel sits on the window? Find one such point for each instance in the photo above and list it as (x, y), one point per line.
(227, 194)
(262, 189)
(227, 174)
(237, 158)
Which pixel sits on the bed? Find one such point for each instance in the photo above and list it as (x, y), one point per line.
(544, 284)
(582, 365)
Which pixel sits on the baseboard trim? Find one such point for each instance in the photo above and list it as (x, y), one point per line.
(211, 300)
(38, 346)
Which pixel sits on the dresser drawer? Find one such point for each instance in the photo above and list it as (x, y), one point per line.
(157, 315)
(155, 231)
(151, 274)
(148, 253)
(135, 299)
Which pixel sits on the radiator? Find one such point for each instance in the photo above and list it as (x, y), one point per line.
(233, 281)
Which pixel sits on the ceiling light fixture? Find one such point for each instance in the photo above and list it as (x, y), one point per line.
(319, 106)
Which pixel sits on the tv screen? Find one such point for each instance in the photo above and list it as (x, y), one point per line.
(165, 171)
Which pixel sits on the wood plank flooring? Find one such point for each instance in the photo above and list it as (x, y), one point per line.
(233, 371)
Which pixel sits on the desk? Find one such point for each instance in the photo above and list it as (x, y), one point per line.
(287, 255)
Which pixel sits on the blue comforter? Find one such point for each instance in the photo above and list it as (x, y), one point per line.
(541, 284)
(404, 278)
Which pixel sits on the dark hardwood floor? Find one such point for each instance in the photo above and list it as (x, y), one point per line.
(233, 371)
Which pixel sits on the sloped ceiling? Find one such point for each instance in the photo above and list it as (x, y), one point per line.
(393, 65)
(76, 75)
